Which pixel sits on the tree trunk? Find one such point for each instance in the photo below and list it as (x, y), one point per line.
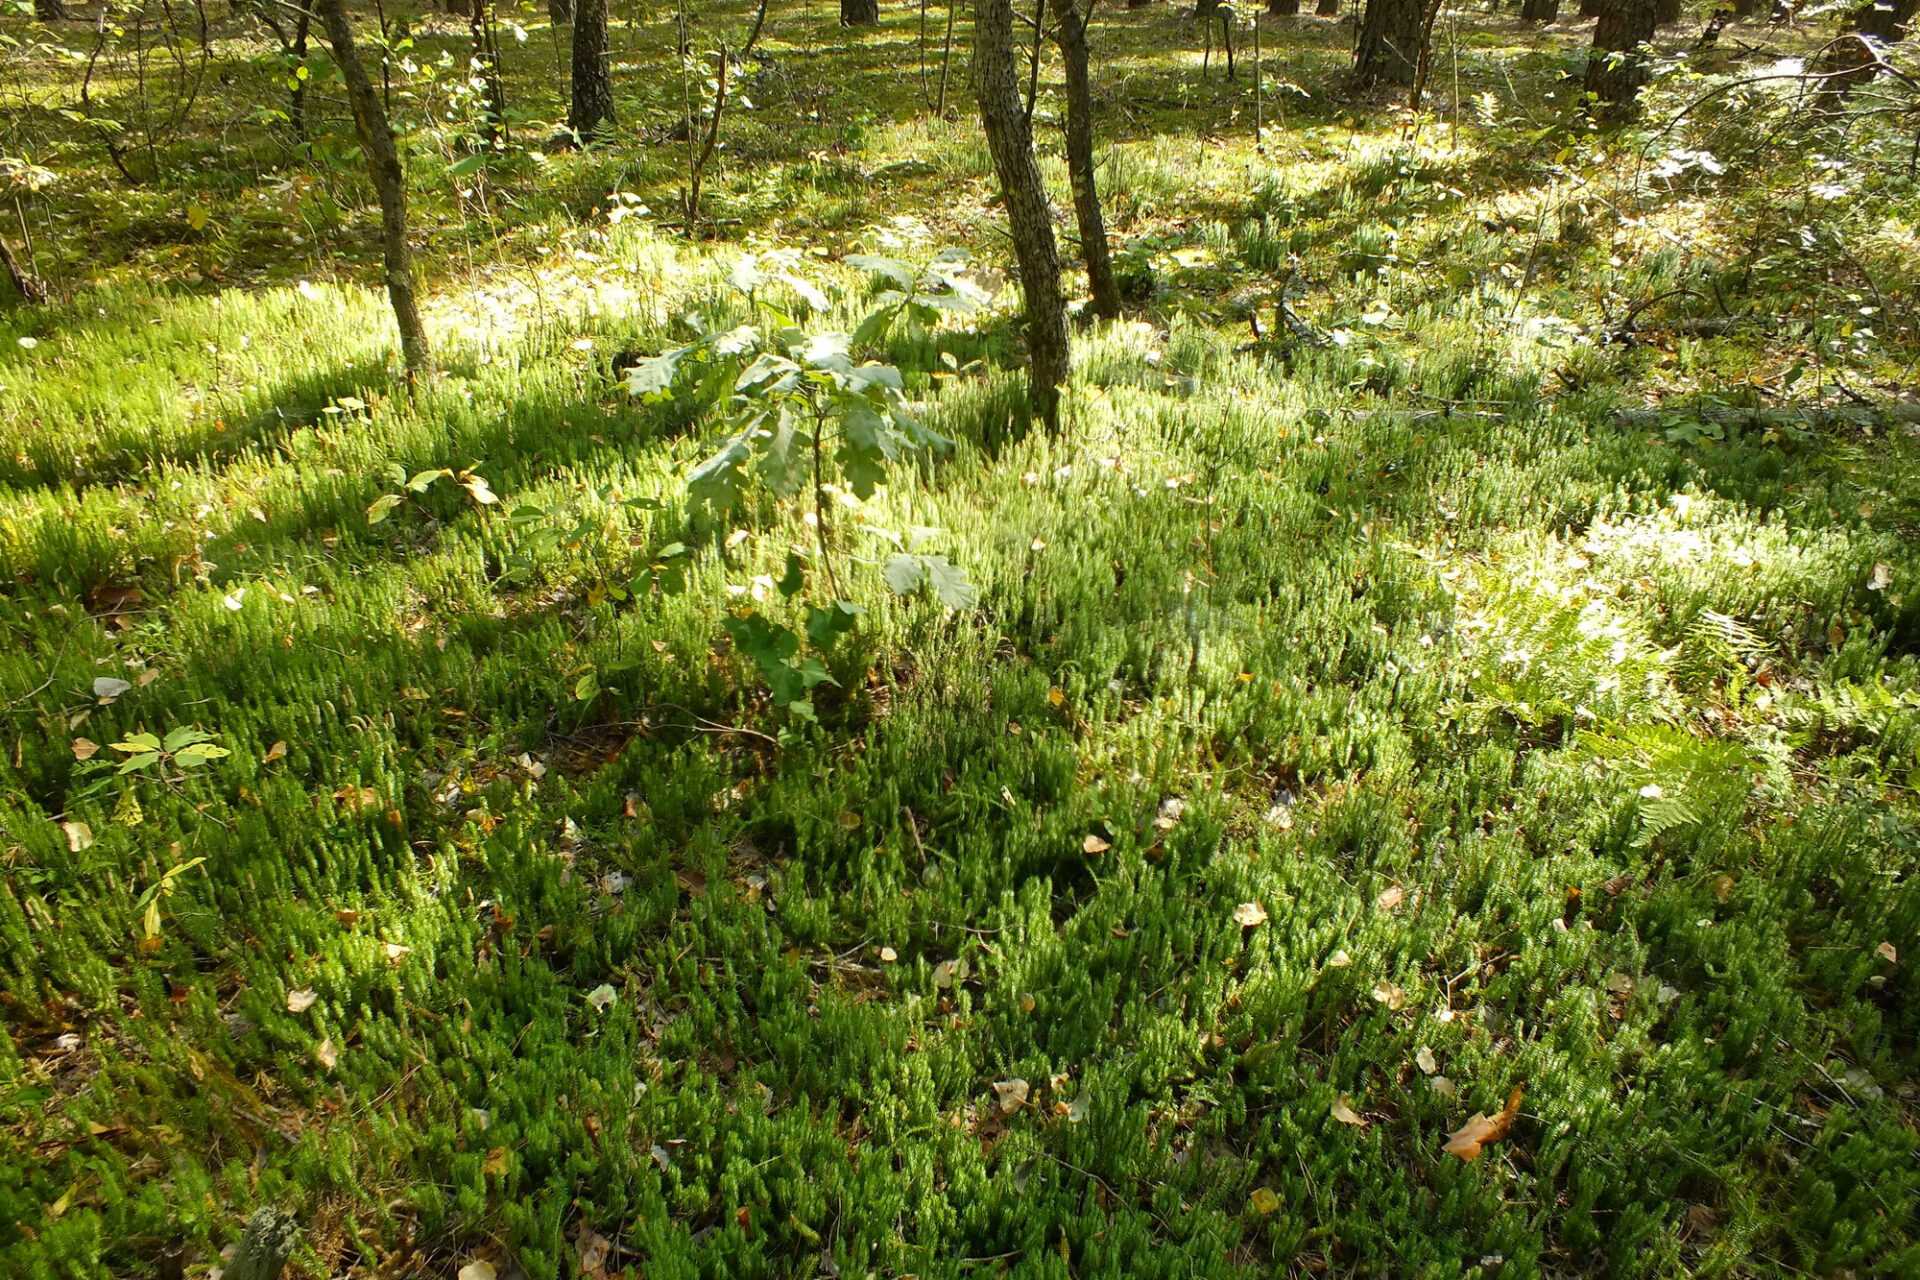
(1745, 8)
(560, 12)
(1138, 4)
(25, 283)
(1592, 8)
(592, 86)
(297, 96)
(486, 53)
(1071, 32)
(1029, 216)
(1389, 48)
(383, 165)
(1616, 68)
(859, 13)
(1283, 8)
(1539, 10)
(1851, 61)
(1667, 12)
(1327, 9)
(49, 10)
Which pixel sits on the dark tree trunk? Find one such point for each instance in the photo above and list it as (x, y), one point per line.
(1745, 8)
(49, 10)
(1592, 8)
(383, 164)
(1616, 68)
(560, 12)
(1539, 10)
(592, 85)
(1071, 32)
(859, 13)
(1283, 8)
(1667, 12)
(1138, 4)
(1851, 61)
(1389, 48)
(1029, 216)
(1327, 9)
(297, 96)
(486, 52)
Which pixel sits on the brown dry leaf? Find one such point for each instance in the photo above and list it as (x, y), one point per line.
(496, 1161)
(1010, 1094)
(396, 952)
(85, 749)
(302, 1000)
(1094, 844)
(278, 751)
(79, 836)
(1477, 1132)
(1343, 1112)
(1249, 914)
(478, 1269)
(1265, 1201)
(888, 955)
(1423, 1058)
(1390, 994)
(1888, 952)
(329, 1056)
(593, 1249)
(1444, 1087)
(1390, 897)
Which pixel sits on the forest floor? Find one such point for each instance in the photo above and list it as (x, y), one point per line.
(1350, 736)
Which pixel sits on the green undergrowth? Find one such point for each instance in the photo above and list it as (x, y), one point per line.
(517, 925)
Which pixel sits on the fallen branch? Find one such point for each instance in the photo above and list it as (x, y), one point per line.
(1897, 411)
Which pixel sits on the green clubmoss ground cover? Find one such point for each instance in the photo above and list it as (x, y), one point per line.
(1345, 735)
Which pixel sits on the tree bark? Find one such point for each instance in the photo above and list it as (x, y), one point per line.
(592, 104)
(1283, 8)
(1539, 10)
(1616, 68)
(1029, 216)
(50, 10)
(486, 52)
(383, 165)
(1388, 51)
(25, 283)
(1667, 12)
(1592, 8)
(859, 13)
(560, 12)
(1745, 8)
(1071, 32)
(1327, 9)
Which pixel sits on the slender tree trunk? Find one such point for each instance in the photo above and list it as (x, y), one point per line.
(383, 164)
(1071, 32)
(1388, 51)
(1539, 10)
(1029, 216)
(592, 85)
(1851, 61)
(1616, 68)
(1592, 8)
(560, 12)
(1283, 8)
(486, 53)
(1138, 4)
(859, 13)
(297, 96)
(1327, 9)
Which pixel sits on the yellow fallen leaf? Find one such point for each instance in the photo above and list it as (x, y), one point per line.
(1249, 914)
(1265, 1201)
(302, 1000)
(79, 836)
(1056, 696)
(85, 749)
(277, 751)
(1010, 1094)
(1094, 844)
(329, 1057)
(1390, 994)
(1390, 897)
(1888, 952)
(1343, 1112)
(1469, 1138)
